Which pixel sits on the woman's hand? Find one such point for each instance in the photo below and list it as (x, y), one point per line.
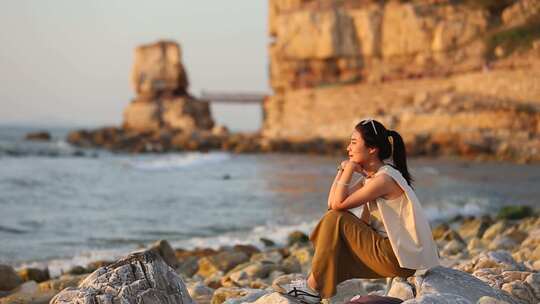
(344, 164)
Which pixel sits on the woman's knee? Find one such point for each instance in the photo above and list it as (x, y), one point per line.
(333, 215)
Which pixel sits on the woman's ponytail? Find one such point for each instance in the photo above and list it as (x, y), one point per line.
(399, 156)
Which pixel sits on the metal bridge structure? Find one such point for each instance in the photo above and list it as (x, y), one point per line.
(233, 97)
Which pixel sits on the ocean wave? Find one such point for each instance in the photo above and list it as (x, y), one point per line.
(12, 230)
(177, 161)
(55, 148)
(451, 208)
(275, 232)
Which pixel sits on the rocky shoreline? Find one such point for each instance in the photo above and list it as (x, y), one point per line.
(484, 260)
(120, 140)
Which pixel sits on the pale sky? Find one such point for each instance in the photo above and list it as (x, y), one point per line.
(65, 62)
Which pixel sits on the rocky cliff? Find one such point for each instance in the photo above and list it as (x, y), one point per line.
(454, 77)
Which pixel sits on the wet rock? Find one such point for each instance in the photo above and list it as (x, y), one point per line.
(164, 249)
(38, 136)
(441, 280)
(267, 242)
(139, 277)
(297, 237)
(34, 274)
(515, 212)
(9, 279)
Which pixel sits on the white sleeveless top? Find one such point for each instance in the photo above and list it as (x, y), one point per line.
(405, 225)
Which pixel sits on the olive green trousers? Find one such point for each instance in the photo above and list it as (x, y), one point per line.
(346, 248)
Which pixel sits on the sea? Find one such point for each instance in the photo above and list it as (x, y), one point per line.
(62, 206)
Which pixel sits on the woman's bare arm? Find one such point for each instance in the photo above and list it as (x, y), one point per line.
(377, 187)
(333, 188)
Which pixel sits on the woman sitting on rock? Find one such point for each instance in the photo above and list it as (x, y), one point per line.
(374, 228)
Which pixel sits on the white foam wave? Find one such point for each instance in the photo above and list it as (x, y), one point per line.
(177, 161)
(61, 265)
(449, 209)
(275, 232)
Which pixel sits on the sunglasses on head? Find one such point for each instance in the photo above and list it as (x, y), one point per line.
(366, 121)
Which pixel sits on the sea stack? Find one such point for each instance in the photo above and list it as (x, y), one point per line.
(161, 83)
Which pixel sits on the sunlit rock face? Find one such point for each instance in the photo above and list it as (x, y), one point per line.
(432, 70)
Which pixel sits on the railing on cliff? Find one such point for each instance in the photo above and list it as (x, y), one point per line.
(233, 97)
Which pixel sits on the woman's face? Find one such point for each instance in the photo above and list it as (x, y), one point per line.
(357, 150)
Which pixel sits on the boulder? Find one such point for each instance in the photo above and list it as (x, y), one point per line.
(200, 293)
(223, 261)
(251, 297)
(34, 274)
(297, 237)
(158, 69)
(439, 298)
(475, 227)
(227, 293)
(140, 277)
(276, 298)
(347, 290)
(441, 280)
(62, 282)
(164, 249)
(495, 230)
(39, 136)
(243, 274)
(499, 259)
(9, 279)
(515, 212)
(490, 300)
(29, 293)
(401, 289)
